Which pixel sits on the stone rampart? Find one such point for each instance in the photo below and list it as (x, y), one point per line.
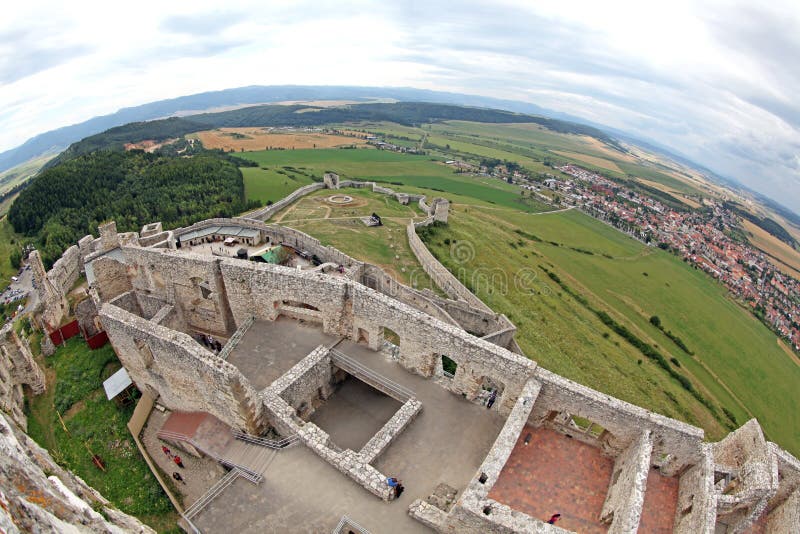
(696, 509)
(439, 274)
(66, 270)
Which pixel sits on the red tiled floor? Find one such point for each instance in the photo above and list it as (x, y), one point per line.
(556, 474)
(660, 500)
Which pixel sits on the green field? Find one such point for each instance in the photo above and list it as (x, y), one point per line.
(737, 363)
(75, 375)
(8, 241)
(341, 227)
(381, 166)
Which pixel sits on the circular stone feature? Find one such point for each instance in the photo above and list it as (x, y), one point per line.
(339, 199)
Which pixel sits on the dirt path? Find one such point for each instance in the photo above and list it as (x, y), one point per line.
(789, 352)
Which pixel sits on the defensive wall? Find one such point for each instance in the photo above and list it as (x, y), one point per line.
(153, 300)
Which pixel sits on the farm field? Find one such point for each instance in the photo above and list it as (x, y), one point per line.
(239, 139)
(786, 258)
(737, 363)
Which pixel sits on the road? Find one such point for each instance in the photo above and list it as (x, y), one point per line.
(23, 286)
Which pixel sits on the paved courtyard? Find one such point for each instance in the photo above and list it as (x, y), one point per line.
(556, 474)
(354, 413)
(446, 442)
(270, 348)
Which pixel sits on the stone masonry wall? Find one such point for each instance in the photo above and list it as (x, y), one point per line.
(625, 496)
(37, 495)
(190, 282)
(264, 214)
(66, 269)
(302, 385)
(184, 374)
(696, 509)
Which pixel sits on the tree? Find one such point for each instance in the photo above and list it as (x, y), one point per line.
(655, 321)
(15, 258)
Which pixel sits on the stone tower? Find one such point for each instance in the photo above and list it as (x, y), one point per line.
(52, 298)
(331, 180)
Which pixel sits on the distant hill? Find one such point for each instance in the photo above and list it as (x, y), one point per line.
(408, 113)
(57, 140)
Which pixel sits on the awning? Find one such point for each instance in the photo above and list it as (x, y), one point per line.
(117, 383)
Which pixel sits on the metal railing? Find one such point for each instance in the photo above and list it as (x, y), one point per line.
(360, 371)
(448, 375)
(236, 338)
(350, 524)
(266, 442)
(212, 493)
(246, 472)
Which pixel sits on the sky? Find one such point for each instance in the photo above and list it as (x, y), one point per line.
(715, 81)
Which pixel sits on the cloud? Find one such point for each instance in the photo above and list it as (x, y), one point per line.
(716, 81)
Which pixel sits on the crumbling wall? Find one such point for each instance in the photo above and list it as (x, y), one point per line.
(696, 509)
(66, 270)
(39, 496)
(111, 278)
(17, 368)
(622, 421)
(191, 282)
(186, 376)
(625, 497)
(260, 290)
(439, 274)
(746, 454)
(54, 304)
(307, 384)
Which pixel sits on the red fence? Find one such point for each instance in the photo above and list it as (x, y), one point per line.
(58, 337)
(67, 331)
(97, 340)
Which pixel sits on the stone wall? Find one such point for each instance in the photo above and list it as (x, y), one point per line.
(39, 496)
(622, 421)
(264, 214)
(439, 274)
(390, 431)
(66, 270)
(696, 509)
(625, 496)
(190, 282)
(54, 304)
(181, 372)
(17, 369)
(111, 278)
(307, 384)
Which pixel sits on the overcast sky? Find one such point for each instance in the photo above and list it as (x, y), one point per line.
(717, 81)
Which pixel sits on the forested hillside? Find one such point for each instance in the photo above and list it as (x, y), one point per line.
(68, 201)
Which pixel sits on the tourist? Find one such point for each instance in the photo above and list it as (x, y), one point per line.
(553, 519)
(166, 451)
(177, 476)
(492, 398)
(178, 462)
(395, 484)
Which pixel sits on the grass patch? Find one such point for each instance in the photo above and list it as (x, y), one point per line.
(75, 374)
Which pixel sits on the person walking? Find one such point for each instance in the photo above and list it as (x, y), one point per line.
(177, 476)
(178, 461)
(492, 398)
(166, 451)
(553, 519)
